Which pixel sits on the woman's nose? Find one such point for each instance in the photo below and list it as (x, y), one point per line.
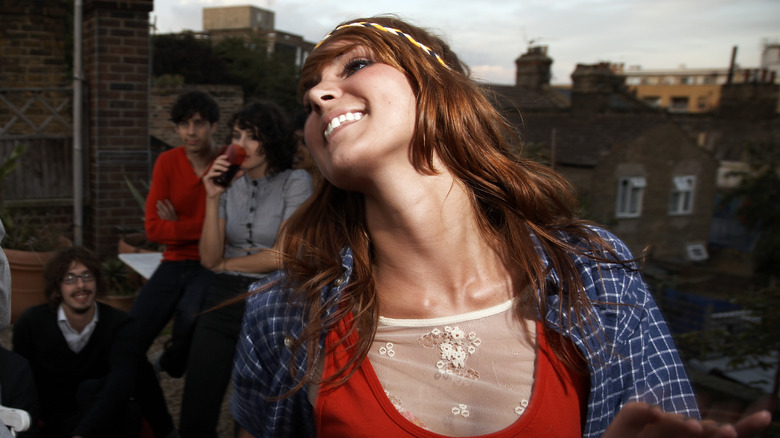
(320, 94)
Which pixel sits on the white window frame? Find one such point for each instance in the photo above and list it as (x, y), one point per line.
(681, 197)
(631, 191)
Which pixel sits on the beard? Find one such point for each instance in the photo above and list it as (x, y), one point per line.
(81, 310)
(76, 307)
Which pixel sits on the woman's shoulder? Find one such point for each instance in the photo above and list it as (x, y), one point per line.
(600, 242)
(294, 175)
(270, 297)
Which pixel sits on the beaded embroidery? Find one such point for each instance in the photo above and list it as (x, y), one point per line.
(455, 347)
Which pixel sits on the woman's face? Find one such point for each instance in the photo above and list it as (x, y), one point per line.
(255, 163)
(361, 119)
(302, 158)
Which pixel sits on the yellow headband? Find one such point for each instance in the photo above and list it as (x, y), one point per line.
(389, 30)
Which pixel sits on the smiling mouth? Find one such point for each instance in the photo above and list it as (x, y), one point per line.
(338, 121)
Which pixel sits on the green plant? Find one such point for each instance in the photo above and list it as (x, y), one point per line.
(7, 167)
(116, 278)
(22, 232)
(140, 198)
(26, 234)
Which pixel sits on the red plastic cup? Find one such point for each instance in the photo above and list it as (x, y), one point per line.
(236, 155)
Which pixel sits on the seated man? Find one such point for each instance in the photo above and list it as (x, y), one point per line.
(92, 380)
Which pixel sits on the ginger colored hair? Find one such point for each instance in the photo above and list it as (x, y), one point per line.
(518, 202)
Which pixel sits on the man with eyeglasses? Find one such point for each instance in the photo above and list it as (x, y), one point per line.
(175, 208)
(92, 379)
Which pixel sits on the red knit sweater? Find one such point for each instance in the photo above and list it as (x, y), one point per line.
(174, 179)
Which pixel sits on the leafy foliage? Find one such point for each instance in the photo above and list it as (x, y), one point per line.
(117, 280)
(191, 58)
(245, 62)
(757, 336)
(22, 233)
(139, 197)
(758, 193)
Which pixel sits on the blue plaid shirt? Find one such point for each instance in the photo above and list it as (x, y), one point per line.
(632, 357)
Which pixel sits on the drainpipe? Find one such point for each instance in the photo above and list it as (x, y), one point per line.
(78, 80)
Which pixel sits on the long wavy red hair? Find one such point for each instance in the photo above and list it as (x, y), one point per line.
(519, 203)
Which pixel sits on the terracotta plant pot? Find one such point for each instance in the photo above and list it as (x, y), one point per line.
(26, 279)
(133, 243)
(27, 283)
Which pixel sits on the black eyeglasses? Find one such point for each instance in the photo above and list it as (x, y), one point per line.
(70, 278)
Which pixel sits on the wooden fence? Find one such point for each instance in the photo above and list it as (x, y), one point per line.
(40, 119)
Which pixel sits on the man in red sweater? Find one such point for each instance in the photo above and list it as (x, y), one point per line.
(175, 208)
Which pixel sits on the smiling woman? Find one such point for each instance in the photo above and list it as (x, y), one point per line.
(437, 284)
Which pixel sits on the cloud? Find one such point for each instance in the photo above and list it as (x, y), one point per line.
(490, 36)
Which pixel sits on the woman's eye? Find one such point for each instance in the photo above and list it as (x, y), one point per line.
(356, 64)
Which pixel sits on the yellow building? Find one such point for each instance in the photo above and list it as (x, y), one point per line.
(682, 89)
(696, 90)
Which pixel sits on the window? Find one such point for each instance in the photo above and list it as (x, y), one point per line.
(629, 199)
(702, 102)
(679, 104)
(681, 199)
(696, 252)
(654, 101)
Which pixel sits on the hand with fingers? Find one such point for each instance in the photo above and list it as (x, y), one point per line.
(165, 210)
(642, 420)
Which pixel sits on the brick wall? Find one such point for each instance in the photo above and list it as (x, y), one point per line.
(32, 43)
(33, 54)
(659, 154)
(116, 65)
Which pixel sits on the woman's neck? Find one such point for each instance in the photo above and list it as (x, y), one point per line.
(431, 258)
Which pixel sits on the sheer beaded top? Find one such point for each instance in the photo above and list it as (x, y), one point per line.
(465, 375)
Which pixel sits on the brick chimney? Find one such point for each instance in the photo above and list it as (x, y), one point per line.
(593, 86)
(533, 68)
(755, 98)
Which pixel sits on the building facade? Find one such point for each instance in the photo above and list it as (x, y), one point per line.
(635, 170)
(247, 22)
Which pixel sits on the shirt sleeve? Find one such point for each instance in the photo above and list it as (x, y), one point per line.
(297, 191)
(186, 228)
(640, 361)
(261, 375)
(5, 285)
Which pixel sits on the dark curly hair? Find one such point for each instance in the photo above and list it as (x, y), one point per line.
(58, 266)
(195, 102)
(270, 126)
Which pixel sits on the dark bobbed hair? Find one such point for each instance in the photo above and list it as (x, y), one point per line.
(59, 265)
(195, 102)
(299, 121)
(518, 202)
(268, 124)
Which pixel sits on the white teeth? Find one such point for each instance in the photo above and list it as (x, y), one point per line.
(337, 121)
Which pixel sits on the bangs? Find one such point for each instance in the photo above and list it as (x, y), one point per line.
(350, 38)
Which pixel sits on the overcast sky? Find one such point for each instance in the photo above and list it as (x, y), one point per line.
(490, 34)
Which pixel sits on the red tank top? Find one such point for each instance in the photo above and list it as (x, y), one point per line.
(360, 408)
